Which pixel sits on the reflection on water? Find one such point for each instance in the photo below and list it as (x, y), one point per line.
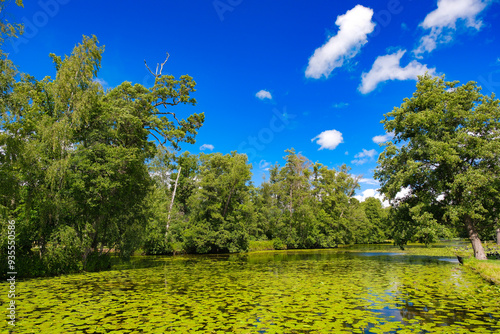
(319, 291)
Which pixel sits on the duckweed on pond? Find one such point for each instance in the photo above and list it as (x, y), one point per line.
(330, 291)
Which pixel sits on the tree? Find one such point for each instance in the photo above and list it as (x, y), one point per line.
(446, 154)
(377, 216)
(74, 155)
(7, 29)
(221, 210)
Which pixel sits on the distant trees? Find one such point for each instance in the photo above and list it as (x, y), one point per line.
(446, 153)
(302, 205)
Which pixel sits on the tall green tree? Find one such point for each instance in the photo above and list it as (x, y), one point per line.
(221, 211)
(446, 153)
(74, 155)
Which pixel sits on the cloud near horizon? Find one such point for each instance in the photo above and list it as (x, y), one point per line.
(388, 68)
(354, 27)
(372, 193)
(328, 139)
(443, 20)
(263, 94)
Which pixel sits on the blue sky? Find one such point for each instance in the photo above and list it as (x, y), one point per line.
(317, 76)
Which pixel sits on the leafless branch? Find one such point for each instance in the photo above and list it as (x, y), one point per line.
(157, 74)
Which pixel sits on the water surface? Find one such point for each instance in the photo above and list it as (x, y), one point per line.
(327, 291)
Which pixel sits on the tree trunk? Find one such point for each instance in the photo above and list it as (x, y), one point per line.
(498, 236)
(228, 200)
(172, 201)
(477, 246)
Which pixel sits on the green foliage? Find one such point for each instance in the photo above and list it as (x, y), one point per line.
(278, 244)
(8, 29)
(445, 153)
(221, 207)
(260, 245)
(72, 164)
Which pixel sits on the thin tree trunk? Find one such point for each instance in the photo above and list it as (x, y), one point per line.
(172, 201)
(477, 246)
(228, 200)
(498, 236)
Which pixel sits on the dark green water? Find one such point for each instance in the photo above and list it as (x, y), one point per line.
(330, 291)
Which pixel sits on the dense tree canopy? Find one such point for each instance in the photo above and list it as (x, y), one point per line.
(73, 156)
(446, 154)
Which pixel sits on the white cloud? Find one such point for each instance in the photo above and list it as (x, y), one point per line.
(368, 181)
(354, 26)
(264, 165)
(329, 139)
(442, 22)
(207, 147)
(102, 82)
(365, 153)
(372, 193)
(383, 138)
(364, 156)
(388, 68)
(263, 94)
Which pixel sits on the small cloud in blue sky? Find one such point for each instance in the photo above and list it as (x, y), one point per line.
(383, 138)
(101, 82)
(264, 165)
(329, 139)
(369, 181)
(207, 147)
(263, 94)
(388, 68)
(442, 22)
(364, 156)
(340, 105)
(354, 27)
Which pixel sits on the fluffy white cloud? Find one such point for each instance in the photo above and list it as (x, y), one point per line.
(383, 138)
(207, 147)
(364, 156)
(263, 94)
(329, 139)
(442, 22)
(372, 193)
(354, 26)
(388, 68)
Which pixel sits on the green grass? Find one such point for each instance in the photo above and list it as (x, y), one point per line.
(489, 269)
(260, 245)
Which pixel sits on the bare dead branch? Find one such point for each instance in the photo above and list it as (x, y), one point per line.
(157, 74)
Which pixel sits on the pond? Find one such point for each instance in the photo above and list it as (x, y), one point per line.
(377, 290)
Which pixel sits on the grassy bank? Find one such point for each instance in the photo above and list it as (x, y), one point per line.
(489, 269)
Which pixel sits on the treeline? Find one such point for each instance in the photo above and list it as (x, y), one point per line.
(217, 209)
(84, 174)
